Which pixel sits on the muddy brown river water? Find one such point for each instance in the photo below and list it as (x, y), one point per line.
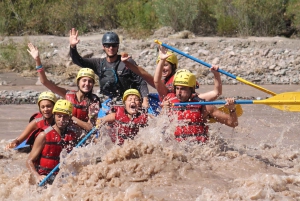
(258, 160)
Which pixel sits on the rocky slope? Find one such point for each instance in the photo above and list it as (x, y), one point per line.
(259, 60)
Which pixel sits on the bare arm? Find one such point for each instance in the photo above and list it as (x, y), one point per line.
(158, 82)
(160, 86)
(145, 103)
(138, 70)
(23, 136)
(82, 124)
(33, 51)
(230, 119)
(37, 148)
(93, 111)
(106, 119)
(217, 91)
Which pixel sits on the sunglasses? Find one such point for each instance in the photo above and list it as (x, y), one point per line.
(110, 45)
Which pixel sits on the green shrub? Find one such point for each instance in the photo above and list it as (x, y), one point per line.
(137, 16)
(293, 15)
(205, 23)
(179, 14)
(225, 17)
(14, 55)
(250, 17)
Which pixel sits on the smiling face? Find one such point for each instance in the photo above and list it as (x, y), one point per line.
(132, 104)
(167, 70)
(111, 49)
(46, 107)
(183, 93)
(85, 84)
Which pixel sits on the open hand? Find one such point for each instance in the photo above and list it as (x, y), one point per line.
(73, 37)
(163, 53)
(33, 51)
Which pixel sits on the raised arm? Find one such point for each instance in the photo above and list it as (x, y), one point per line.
(217, 91)
(34, 52)
(158, 82)
(137, 70)
(91, 63)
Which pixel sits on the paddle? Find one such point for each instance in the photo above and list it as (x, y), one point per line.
(288, 101)
(219, 70)
(57, 166)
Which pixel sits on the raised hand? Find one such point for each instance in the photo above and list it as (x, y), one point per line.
(214, 68)
(73, 37)
(163, 53)
(33, 51)
(124, 56)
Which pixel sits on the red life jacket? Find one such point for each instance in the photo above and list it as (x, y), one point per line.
(191, 125)
(80, 109)
(169, 84)
(54, 144)
(126, 127)
(40, 123)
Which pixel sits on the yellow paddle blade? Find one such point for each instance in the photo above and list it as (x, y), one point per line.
(238, 110)
(288, 101)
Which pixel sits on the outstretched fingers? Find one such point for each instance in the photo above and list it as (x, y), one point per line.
(33, 51)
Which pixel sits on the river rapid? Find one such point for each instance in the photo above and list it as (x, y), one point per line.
(258, 160)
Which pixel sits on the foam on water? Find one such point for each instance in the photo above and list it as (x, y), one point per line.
(155, 167)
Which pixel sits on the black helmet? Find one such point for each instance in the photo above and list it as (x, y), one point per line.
(110, 37)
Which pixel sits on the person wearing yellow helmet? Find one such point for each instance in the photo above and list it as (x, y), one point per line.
(86, 104)
(44, 117)
(192, 118)
(126, 120)
(167, 63)
(162, 81)
(48, 145)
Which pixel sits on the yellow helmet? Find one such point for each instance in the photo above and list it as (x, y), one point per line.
(185, 78)
(47, 95)
(183, 70)
(63, 106)
(131, 92)
(172, 59)
(86, 72)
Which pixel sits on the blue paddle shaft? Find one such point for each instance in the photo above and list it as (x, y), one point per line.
(197, 60)
(213, 103)
(57, 166)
